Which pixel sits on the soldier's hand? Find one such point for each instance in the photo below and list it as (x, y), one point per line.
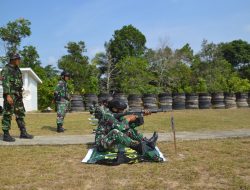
(146, 112)
(130, 118)
(10, 100)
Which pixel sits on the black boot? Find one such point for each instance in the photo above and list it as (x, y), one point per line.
(140, 147)
(60, 128)
(25, 135)
(152, 141)
(122, 158)
(7, 137)
(23, 131)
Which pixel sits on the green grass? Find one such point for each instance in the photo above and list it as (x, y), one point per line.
(185, 120)
(206, 164)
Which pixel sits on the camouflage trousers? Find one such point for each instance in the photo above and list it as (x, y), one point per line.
(62, 108)
(113, 139)
(134, 134)
(117, 139)
(8, 110)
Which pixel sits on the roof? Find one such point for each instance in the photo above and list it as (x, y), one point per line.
(31, 72)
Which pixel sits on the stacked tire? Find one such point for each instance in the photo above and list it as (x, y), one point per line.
(77, 103)
(218, 100)
(248, 100)
(89, 100)
(192, 101)
(241, 100)
(230, 100)
(165, 101)
(204, 101)
(121, 96)
(150, 102)
(135, 102)
(179, 101)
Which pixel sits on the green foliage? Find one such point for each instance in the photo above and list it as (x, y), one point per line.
(181, 76)
(237, 53)
(30, 57)
(46, 93)
(76, 63)
(237, 84)
(185, 54)
(201, 85)
(134, 76)
(13, 33)
(127, 41)
(107, 71)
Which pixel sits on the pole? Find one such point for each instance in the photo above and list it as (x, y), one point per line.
(173, 130)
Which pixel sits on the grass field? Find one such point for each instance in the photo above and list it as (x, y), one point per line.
(206, 164)
(186, 120)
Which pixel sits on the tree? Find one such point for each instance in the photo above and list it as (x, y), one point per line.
(30, 57)
(134, 76)
(127, 41)
(237, 53)
(212, 67)
(185, 54)
(181, 76)
(12, 34)
(107, 69)
(84, 75)
(161, 61)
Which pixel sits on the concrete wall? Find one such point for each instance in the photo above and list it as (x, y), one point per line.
(29, 93)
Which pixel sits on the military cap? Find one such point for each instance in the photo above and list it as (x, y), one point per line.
(65, 74)
(15, 56)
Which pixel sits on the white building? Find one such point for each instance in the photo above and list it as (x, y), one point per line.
(30, 82)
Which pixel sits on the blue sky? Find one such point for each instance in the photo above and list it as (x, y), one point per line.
(177, 22)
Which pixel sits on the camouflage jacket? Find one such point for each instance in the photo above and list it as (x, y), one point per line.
(61, 91)
(109, 122)
(11, 79)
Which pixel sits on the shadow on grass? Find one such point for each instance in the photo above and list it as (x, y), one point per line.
(49, 128)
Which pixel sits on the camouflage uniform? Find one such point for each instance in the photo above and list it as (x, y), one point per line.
(109, 132)
(62, 99)
(112, 134)
(12, 85)
(132, 132)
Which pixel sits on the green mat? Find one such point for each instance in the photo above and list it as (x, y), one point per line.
(110, 157)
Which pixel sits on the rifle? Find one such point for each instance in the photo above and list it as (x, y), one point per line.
(139, 120)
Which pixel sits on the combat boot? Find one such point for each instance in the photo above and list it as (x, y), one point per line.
(25, 135)
(122, 158)
(23, 131)
(7, 137)
(140, 147)
(60, 128)
(152, 141)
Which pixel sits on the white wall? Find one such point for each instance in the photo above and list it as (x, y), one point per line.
(29, 94)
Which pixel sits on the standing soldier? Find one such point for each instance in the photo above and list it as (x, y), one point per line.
(13, 99)
(62, 99)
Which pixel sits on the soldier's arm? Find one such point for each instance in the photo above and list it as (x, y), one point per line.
(6, 81)
(57, 92)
